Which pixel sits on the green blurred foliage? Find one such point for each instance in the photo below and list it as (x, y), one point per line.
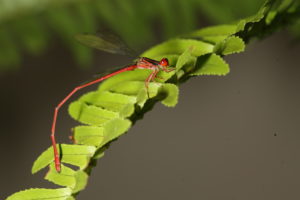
(28, 25)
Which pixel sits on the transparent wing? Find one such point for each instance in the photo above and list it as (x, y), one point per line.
(105, 42)
(105, 73)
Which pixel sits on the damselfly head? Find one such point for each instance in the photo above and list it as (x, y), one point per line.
(164, 62)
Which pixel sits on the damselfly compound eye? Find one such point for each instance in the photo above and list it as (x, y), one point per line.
(164, 62)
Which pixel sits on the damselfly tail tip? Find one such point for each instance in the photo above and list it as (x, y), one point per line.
(57, 167)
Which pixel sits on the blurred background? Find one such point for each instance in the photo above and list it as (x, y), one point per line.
(231, 138)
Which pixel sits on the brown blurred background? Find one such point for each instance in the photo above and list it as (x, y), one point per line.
(231, 138)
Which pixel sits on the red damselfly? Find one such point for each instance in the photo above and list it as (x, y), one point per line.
(110, 44)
